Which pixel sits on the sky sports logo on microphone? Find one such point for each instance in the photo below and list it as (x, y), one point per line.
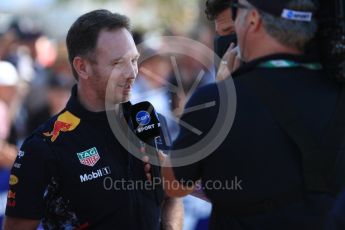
(143, 117)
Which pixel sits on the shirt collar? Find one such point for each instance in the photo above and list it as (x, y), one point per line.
(76, 108)
(249, 66)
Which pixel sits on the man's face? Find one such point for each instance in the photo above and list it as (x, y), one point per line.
(114, 67)
(223, 23)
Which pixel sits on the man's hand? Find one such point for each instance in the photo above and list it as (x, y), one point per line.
(172, 208)
(169, 181)
(147, 166)
(230, 62)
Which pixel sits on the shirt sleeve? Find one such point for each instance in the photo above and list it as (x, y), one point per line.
(31, 173)
(199, 117)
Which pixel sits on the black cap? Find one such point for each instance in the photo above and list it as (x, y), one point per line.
(279, 8)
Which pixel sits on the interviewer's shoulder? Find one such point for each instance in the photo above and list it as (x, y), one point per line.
(204, 94)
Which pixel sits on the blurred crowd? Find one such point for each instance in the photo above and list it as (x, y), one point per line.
(36, 79)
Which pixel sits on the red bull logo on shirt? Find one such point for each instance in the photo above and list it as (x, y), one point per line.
(64, 123)
(89, 157)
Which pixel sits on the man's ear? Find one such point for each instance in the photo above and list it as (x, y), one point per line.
(82, 67)
(255, 20)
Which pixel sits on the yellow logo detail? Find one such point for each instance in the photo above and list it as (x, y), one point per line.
(13, 179)
(64, 123)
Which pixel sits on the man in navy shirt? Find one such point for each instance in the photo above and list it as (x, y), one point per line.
(258, 169)
(72, 172)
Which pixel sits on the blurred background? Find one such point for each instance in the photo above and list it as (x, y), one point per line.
(35, 76)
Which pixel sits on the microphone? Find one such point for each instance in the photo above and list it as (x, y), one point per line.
(147, 128)
(146, 123)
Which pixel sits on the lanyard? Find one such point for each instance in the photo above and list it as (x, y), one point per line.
(290, 64)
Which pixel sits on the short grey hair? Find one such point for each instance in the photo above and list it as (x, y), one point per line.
(294, 34)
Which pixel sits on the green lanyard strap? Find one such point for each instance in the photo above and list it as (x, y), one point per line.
(290, 64)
